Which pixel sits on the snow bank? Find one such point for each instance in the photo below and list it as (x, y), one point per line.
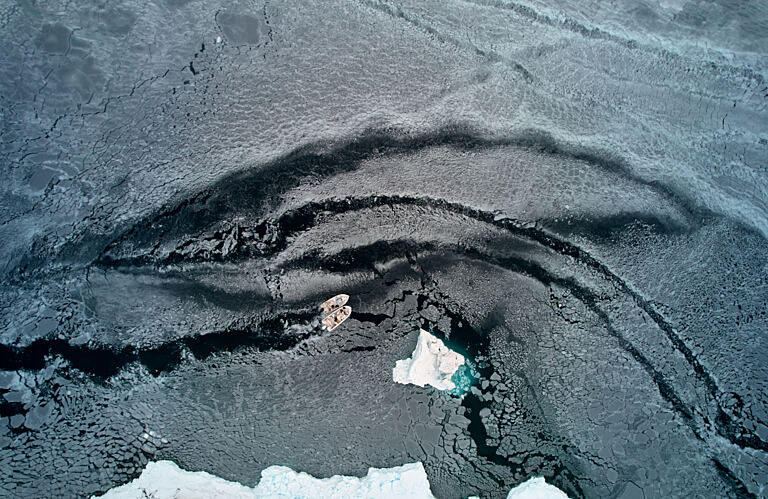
(432, 363)
(165, 480)
(536, 488)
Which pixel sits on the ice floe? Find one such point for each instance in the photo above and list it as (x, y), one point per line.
(432, 363)
(165, 480)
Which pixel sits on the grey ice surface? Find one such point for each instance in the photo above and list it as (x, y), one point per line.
(574, 194)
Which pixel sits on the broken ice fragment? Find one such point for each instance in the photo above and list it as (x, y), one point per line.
(432, 363)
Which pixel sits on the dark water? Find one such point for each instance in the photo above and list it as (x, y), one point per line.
(575, 195)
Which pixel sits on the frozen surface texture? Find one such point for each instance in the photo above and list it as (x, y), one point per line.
(432, 363)
(573, 193)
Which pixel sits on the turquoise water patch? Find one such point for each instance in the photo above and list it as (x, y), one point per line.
(463, 378)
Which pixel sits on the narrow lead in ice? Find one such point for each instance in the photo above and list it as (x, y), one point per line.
(432, 363)
(165, 480)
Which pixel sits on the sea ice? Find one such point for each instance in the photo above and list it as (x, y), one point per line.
(165, 480)
(432, 363)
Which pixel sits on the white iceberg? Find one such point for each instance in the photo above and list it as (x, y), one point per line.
(409, 480)
(432, 363)
(536, 488)
(165, 480)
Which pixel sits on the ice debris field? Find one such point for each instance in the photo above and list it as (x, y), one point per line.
(165, 480)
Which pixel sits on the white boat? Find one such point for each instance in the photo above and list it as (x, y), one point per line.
(334, 303)
(336, 318)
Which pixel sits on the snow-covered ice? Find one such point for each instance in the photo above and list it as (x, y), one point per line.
(165, 480)
(432, 363)
(409, 480)
(536, 488)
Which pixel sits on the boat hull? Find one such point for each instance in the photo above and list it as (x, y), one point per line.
(336, 318)
(334, 303)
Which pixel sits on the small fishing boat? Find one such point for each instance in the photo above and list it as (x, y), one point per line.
(336, 318)
(334, 303)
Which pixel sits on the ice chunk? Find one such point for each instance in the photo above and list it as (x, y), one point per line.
(38, 416)
(432, 363)
(163, 479)
(536, 488)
